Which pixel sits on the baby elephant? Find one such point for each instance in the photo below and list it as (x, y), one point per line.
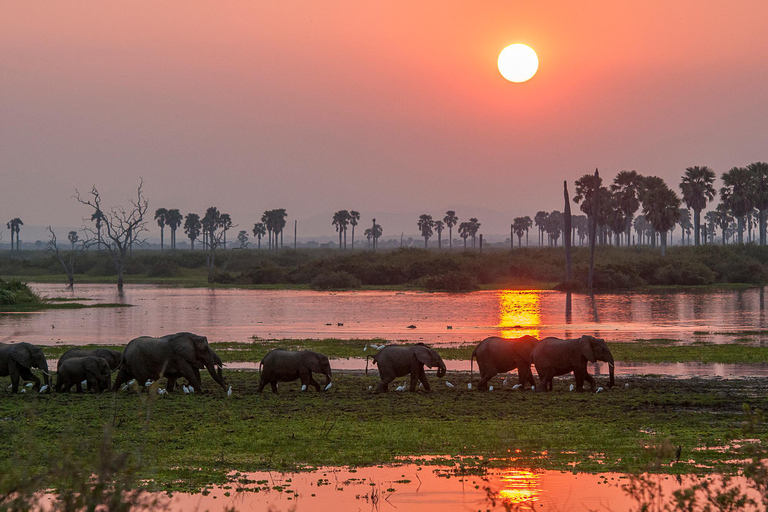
(280, 365)
(74, 370)
(400, 360)
(112, 357)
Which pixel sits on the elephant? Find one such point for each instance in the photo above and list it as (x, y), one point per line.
(400, 360)
(16, 359)
(281, 365)
(173, 356)
(92, 369)
(217, 363)
(555, 356)
(500, 355)
(112, 357)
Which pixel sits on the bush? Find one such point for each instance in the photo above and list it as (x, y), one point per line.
(450, 282)
(164, 269)
(684, 273)
(335, 281)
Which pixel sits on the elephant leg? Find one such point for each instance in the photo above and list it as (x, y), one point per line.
(482, 385)
(59, 383)
(79, 387)
(188, 372)
(170, 384)
(423, 379)
(274, 386)
(262, 383)
(13, 371)
(27, 375)
(123, 376)
(383, 386)
(306, 379)
(591, 381)
(415, 378)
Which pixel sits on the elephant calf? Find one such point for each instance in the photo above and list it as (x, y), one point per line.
(400, 360)
(555, 356)
(94, 370)
(499, 355)
(280, 365)
(112, 357)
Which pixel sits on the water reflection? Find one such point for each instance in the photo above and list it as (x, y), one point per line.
(520, 486)
(519, 313)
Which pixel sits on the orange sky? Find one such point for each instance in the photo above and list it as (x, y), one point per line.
(381, 107)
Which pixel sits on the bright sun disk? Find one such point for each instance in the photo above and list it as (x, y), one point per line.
(518, 63)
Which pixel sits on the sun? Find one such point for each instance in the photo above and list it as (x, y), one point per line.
(518, 63)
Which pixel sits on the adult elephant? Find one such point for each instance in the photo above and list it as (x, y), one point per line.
(17, 360)
(112, 357)
(281, 365)
(217, 363)
(500, 355)
(94, 370)
(175, 355)
(555, 356)
(400, 360)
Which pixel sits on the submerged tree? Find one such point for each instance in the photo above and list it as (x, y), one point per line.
(123, 226)
(696, 186)
(192, 227)
(450, 220)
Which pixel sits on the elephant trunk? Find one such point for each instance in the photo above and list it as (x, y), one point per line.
(328, 380)
(610, 372)
(215, 372)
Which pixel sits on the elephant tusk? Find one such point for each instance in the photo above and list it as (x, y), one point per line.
(611, 365)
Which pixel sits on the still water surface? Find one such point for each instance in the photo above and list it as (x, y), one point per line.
(438, 318)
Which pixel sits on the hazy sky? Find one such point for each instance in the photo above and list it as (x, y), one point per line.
(377, 106)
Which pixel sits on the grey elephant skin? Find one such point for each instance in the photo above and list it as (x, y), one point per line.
(16, 361)
(217, 364)
(555, 356)
(94, 370)
(400, 360)
(500, 355)
(112, 357)
(281, 365)
(172, 356)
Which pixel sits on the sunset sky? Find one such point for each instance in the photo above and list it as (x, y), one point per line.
(380, 107)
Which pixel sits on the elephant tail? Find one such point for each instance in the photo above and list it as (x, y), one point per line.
(471, 363)
(366, 363)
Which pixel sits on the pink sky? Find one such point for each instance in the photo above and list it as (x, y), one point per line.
(375, 106)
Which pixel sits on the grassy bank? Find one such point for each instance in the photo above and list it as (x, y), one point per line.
(616, 268)
(192, 441)
(17, 297)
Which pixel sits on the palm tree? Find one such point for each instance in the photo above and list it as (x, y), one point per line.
(353, 218)
(585, 194)
(225, 223)
(465, 229)
(173, 220)
(554, 226)
(425, 226)
(14, 225)
(685, 224)
(242, 238)
(710, 220)
(696, 186)
(439, 227)
(474, 226)
(539, 219)
(267, 218)
(737, 194)
(723, 218)
(73, 239)
(160, 214)
(98, 217)
(192, 227)
(340, 220)
(759, 171)
(528, 225)
(259, 230)
(615, 217)
(519, 227)
(626, 186)
(450, 220)
(661, 207)
(279, 215)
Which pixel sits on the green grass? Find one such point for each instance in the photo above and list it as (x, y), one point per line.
(193, 441)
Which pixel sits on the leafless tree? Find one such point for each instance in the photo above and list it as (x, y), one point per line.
(67, 258)
(121, 227)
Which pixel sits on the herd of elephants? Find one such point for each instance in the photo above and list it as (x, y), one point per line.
(183, 355)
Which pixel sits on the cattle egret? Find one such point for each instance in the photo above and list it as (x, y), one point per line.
(191, 389)
(148, 383)
(400, 388)
(10, 387)
(125, 386)
(533, 388)
(370, 388)
(571, 388)
(131, 382)
(449, 384)
(599, 390)
(304, 387)
(365, 348)
(161, 391)
(229, 391)
(328, 386)
(517, 386)
(84, 383)
(23, 390)
(505, 382)
(185, 388)
(44, 388)
(490, 388)
(469, 386)
(29, 385)
(626, 385)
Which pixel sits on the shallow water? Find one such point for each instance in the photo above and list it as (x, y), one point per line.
(438, 318)
(411, 487)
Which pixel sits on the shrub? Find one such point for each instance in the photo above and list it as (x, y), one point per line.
(450, 282)
(684, 273)
(335, 281)
(164, 269)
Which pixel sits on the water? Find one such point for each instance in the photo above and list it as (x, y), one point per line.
(438, 318)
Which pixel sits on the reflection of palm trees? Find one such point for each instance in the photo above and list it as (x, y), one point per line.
(450, 220)
(736, 193)
(697, 189)
(425, 225)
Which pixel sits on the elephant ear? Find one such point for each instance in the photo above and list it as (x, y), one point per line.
(426, 355)
(91, 365)
(184, 346)
(21, 354)
(585, 344)
(312, 361)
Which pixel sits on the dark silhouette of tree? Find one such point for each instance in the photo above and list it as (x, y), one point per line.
(225, 223)
(616, 220)
(474, 227)
(553, 225)
(528, 224)
(214, 225)
(710, 220)
(519, 227)
(450, 220)
(685, 224)
(425, 225)
(697, 189)
(14, 225)
(73, 238)
(173, 219)
(759, 172)
(341, 220)
(723, 219)
(354, 217)
(259, 230)
(98, 218)
(581, 225)
(242, 239)
(160, 215)
(661, 207)
(439, 227)
(539, 219)
(373, 233)
(278, 222)
(67, 259)
(626, 188)
(192, 227)
(585, 194)
(737, 194)
(465, 230)
(123, 226)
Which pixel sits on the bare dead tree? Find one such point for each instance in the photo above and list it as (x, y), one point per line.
(67, 258)
(121, 227)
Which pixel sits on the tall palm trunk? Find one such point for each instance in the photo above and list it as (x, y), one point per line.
(696, 227)
(663, 243)
(450, 238)
(740, 229)
(761, 217)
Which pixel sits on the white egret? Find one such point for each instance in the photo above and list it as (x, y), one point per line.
(304, 387)
(626, 385)
(370, 388)
(490, 388)
(599, 390)
(571, 388)
(365, 348)
(185, 388)
(328, 386)
(469, 386)
(449, 384)
(191, 389)
(533, 388)
(23, 390)
(229, 391)
(505, 382)
(517, 386)
(84, 383)
(29, 384)
(148, 383)
(44, 388)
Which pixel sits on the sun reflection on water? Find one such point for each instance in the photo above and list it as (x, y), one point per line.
(519, 313)
(520, 486)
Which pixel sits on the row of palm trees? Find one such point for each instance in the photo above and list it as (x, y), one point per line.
(428, 226)
(342, 219)
(14, 225)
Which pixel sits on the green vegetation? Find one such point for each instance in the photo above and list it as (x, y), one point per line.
(616, 268)
(17, 297)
